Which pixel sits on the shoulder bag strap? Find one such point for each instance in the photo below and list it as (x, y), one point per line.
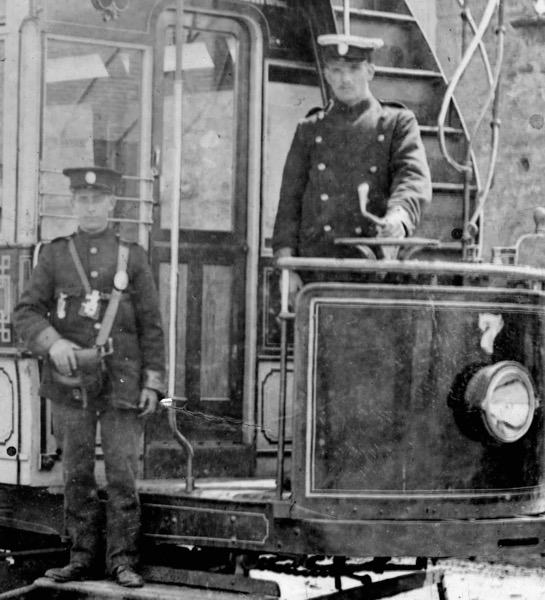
(79, 266)
(120, 283)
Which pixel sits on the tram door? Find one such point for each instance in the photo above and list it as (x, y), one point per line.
(212, 252)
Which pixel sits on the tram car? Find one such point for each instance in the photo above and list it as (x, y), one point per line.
(399, 416)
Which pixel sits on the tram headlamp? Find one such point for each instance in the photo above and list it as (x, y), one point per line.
(504, 395)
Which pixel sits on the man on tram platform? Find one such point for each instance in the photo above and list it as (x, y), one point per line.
(356, 139)
(67, 307)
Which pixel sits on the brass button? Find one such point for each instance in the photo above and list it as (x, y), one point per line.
(97, 325)
(358, 230)
(321, 167)
(327, 228)
(324, 197)
(94, 274)
(373, 169)
(381, 137)
(93, 250)
(319, 139)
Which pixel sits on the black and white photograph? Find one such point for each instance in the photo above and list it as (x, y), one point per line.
(272, 299)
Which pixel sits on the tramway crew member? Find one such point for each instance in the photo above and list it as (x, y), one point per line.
(63, 311)
(355, 139)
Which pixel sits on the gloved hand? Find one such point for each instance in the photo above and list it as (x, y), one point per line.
(62, 354)
(148, 402)
(392, 225)
(295, 284)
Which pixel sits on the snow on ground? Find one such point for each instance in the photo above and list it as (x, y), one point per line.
(464, 580)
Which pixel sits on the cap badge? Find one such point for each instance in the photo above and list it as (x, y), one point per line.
(342, 49)
(90, 177)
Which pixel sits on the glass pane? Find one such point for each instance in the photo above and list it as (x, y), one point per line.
(91, 116)
(209, 126)
(291, 93)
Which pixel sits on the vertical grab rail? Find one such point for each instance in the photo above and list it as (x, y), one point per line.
(470, 224)
(174, 245)
(284, 316)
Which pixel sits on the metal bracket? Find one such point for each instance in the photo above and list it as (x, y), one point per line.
(110, 8)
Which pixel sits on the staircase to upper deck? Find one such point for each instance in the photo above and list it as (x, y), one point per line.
(407, 71)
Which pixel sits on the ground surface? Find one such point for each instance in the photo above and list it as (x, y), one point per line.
(465, 580)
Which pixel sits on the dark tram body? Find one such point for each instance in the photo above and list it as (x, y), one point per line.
(399, 413)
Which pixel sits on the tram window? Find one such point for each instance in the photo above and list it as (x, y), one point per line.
(92, 115)
(290, 94)
(209, 111)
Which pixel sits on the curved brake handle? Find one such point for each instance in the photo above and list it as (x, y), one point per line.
(363, 196)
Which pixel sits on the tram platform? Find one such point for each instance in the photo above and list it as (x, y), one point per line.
(45, 589)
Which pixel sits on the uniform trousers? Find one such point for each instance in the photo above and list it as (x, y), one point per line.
(121, 432)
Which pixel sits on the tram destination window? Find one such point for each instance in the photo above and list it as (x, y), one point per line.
(290, 94)
(92, 115)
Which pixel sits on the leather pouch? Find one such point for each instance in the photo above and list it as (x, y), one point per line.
(90, 374)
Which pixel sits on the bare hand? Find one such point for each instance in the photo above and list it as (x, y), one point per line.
(148, 402)
(62, 354)
(391, 226)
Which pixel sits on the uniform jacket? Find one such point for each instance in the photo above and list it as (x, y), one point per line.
(332, 153)
(48, 310)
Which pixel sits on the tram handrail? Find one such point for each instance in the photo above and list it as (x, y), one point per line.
(413, 267)
(449, 94)
(174, 248)
(470, 225)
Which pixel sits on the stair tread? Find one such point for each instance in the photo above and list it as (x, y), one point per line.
(412, 73)
(378, 14)
(451, 187)
(433, 129)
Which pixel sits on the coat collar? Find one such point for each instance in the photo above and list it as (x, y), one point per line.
(367, 109)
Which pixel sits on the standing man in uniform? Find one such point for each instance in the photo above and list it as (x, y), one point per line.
(356, 139)
(63, 310)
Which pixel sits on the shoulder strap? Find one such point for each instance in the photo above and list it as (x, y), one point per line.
(79, 266)
(115, 296)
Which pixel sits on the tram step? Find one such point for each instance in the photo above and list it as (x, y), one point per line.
(46, 589)
(167, 460)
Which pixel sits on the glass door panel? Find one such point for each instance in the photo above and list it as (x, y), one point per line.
(210, 337)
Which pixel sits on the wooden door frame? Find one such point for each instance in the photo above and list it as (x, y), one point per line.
(256, 30)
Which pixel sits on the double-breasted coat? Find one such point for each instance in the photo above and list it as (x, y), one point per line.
(334, 151)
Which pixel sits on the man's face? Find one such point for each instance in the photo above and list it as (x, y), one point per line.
(92, 208)
(349, 81)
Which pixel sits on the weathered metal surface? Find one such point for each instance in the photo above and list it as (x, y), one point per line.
(494, 538)
(212, 581)
(380, 365)
(204, 525)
